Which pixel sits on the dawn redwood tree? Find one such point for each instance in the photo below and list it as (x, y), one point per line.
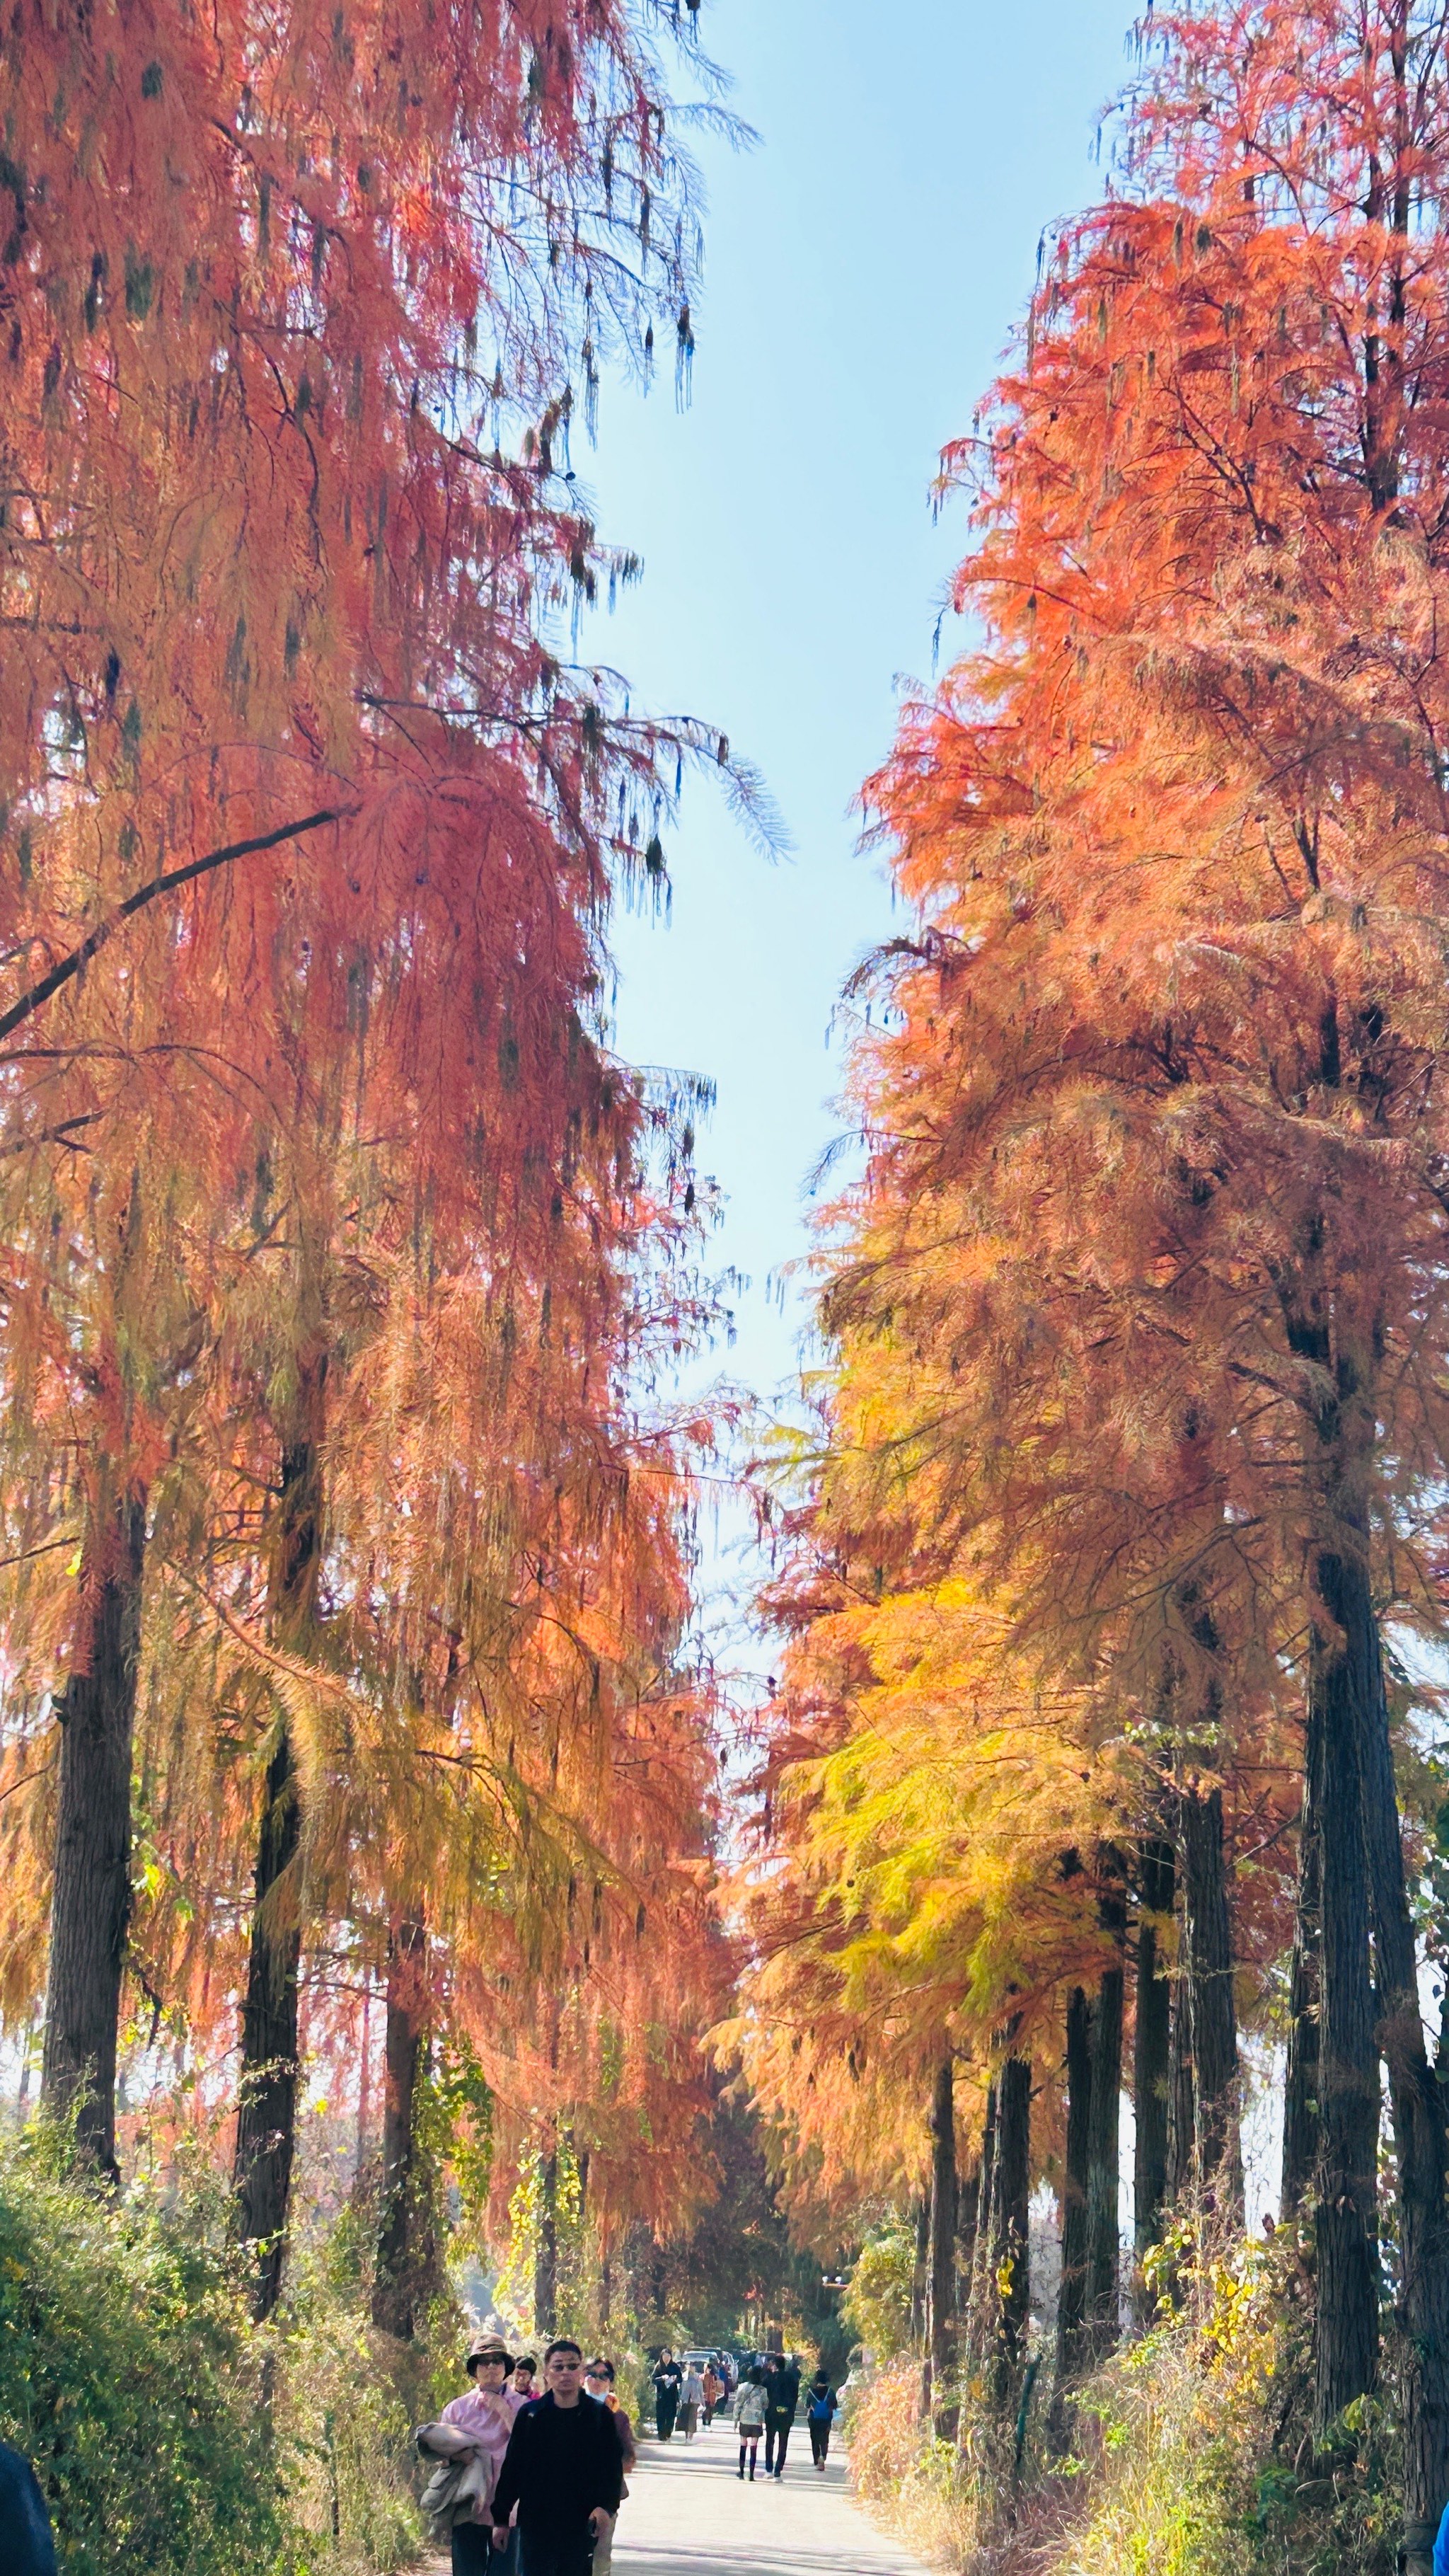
(241, 299)
(1148, 1269)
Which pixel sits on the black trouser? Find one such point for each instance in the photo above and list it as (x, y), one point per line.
(666, 2407)
(776, 2434)
(473, 2549)
(552, 2553)
(819, 2441)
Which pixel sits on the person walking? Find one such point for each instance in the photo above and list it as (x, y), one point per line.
(525, 2375)
(691, 2398)
(470, 2439)
(782, 2396)
(750, 2402)
(599, 2384)
(563, 2469)
(821, 2408)
(668, 2381)
(713, 2392)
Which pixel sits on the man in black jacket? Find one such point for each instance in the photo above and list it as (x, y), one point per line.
(782, 2396)
(563, 2468)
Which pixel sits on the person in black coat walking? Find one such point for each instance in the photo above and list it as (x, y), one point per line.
(782, 2396)
(668, 2381)
(563, 2468)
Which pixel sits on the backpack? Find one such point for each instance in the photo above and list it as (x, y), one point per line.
(822, 2407)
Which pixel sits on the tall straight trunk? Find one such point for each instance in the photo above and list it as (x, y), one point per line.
(606, 2295)
(1104, 2149)
(968, 2224)
(403, 2250)
(1181, 2114)
(1346, 2327)
(1151, 2052)
(1300, 2092)
(1072, 2300)
(1010, 2199)
(978, 2298)
(267, 2103)
(545, 2257)
(90, 1908)
(941, 2266)
(266, 2125)
(1415, 2100)
(1208, 1940)
(919, 2302)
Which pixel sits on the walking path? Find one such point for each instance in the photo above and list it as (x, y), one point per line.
(689, 2515)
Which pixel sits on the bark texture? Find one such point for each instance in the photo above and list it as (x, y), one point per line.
(545, 2259)
(1104, 2149)
(404, 2236)
(267, 2107)
(941, 2265)
(1011, 2198)
(1415, 2098)
(1072, 2303)
(1151, 2069)
(91, 1893)
(1346, 2225)
(1208, 1939)
(1300, 2094)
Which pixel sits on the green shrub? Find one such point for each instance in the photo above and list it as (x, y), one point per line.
(129, 2373)
(877, 2305)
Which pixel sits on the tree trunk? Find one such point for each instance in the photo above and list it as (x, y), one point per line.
(941, 2273)
(1010, 2244)
(1300, 2092)
(1072, 2301)
(1181, 2142)
(1104, 2157)
(1346, 2329)
(979, 2294)
(266, 2124)
(545, 2259)
(1151, 2071)
(1209, 1945)
(403, 2247)
(267, 2105)
(918, 2273)
(91, 1891)
(1415, 2101)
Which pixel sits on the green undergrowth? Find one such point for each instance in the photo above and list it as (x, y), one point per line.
(1187, 2454)
(171, 2435)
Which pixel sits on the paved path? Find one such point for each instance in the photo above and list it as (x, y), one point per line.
(689, 2515)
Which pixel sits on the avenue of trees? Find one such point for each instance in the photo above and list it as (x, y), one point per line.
(1114, 1600)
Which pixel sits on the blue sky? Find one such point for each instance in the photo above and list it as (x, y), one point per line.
(866, 263)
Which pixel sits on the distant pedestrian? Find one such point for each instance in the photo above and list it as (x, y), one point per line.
(564, 2470)
(525, 2375)
(750, 2403)
(782, 2396)
(691, 2398)
(714, 2389)
(668, 2381)
(821, 2408)
(27, 2545)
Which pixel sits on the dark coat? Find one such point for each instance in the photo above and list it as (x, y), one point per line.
(561, 2461)
(782, 2395)
(26, 2545)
